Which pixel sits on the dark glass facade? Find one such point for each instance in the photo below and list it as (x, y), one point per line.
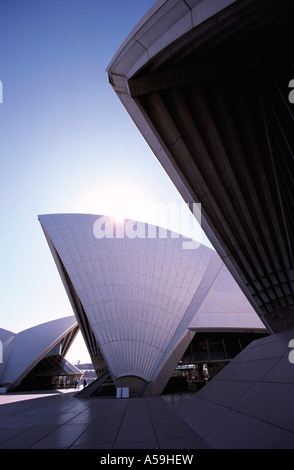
(50, 373)
(206, 356)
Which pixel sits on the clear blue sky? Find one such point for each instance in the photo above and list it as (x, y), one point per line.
(66, 142)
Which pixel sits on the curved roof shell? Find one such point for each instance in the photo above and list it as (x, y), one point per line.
(29, 346)
(136, 296)
(5, 335)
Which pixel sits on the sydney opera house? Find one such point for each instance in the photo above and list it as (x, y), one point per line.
(207, 84)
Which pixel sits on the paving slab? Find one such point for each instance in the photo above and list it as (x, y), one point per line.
(63, 421)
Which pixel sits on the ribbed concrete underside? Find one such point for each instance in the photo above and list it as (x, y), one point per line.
(213, 105)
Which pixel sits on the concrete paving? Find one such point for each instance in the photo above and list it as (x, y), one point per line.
(59, 420)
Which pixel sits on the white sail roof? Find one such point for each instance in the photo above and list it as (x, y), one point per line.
(139, 294)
